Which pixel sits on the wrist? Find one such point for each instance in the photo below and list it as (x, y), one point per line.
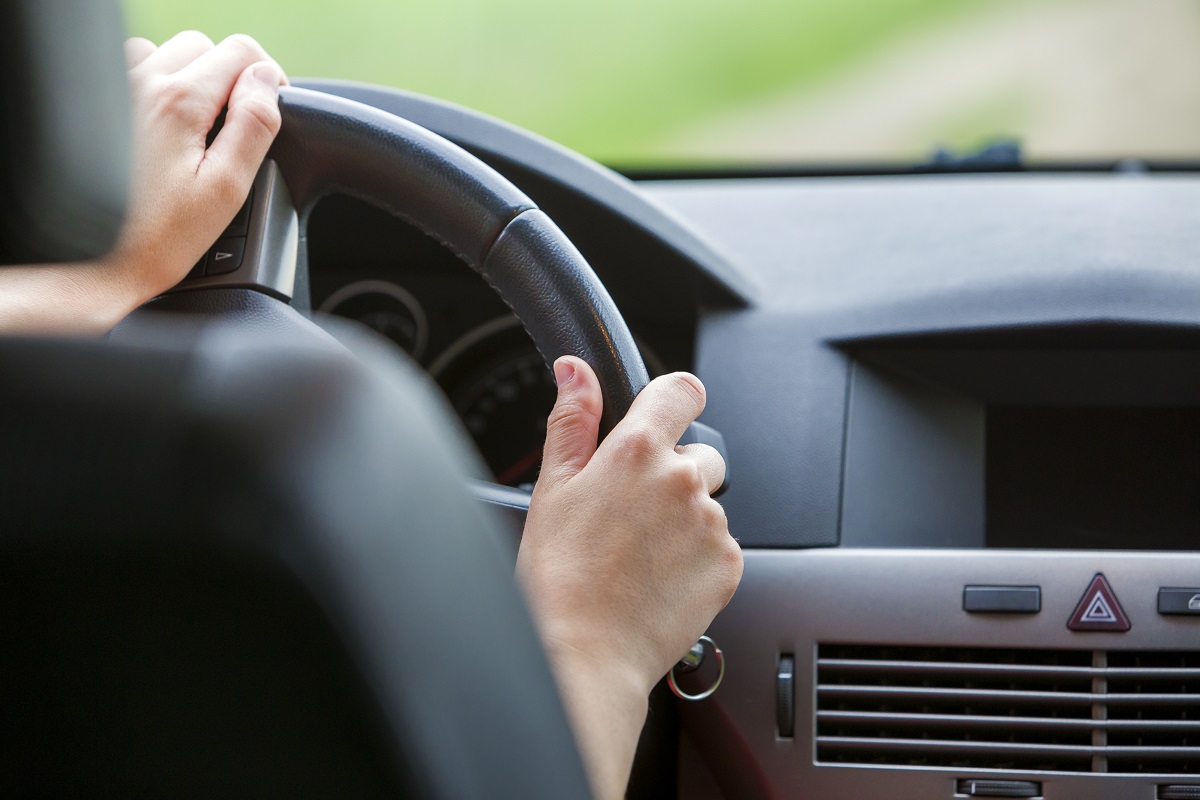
(596, 665)
(577, 635)
(594, 647)
(110, 295)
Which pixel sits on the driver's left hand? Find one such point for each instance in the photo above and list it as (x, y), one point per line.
(183, 193)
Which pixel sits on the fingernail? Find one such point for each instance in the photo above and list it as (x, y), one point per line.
(564, 372)
(268, 74)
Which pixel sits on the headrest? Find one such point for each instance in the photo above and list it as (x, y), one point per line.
(65, 133)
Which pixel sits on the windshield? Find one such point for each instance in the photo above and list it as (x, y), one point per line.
(643, 83)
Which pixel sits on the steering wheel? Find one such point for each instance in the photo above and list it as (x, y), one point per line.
(328, 145)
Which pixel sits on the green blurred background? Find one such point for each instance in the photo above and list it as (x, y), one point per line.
(639, 82)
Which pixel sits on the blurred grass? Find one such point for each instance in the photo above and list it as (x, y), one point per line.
(610, 79)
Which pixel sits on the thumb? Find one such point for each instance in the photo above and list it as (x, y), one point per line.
(574, 423)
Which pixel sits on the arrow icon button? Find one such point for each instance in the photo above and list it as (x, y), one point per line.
(225, 256)
(1179, 600)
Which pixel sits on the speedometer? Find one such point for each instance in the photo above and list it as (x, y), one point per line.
(504, 407)
(385, 308)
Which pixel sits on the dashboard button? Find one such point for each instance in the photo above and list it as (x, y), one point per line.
(1002, 599)
(985, 787)
(225, 256)
(241, 222)
(1099, 609)
(1175, 600)
(785, 696)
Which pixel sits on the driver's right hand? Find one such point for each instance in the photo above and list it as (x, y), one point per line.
(626, 558)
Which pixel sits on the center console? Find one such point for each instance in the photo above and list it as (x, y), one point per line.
(1012, 610)
(876, 674)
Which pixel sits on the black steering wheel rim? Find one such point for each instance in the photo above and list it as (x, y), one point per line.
(330, 145)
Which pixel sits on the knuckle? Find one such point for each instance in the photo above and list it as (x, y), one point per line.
(195, 37)
(564, 413)
(639, 444)
(731, 566)
(138, 83)
(245, 44)
(685, 476)
(265, 114)
(716, 519)
(730, 554)
(136, 50)
(177, 98)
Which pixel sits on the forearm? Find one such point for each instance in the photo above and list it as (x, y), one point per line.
(607, 709)
(86, 298)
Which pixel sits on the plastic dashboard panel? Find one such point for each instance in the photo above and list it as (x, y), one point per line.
(1051, 264)
(790, 602)
(845, 262)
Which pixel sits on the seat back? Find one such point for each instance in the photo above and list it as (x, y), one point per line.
(236, 565)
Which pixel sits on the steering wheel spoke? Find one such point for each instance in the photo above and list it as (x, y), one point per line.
(259, 248)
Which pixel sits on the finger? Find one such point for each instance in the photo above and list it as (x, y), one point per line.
(711, 465)
(138, 50)
(178, 51)
(574, 424)
(250, 127)
(214, 73)
(665, 408)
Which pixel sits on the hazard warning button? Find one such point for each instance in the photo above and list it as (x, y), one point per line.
(1098, 609)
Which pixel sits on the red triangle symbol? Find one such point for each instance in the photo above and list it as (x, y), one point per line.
(1099, 609)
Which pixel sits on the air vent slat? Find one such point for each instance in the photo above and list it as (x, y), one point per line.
(935, 668)
(1192, 700)
(932, 693)
(950, 746)
(1150, 673)
(1015, 670)
(1152, 724)
(966, 721)
(1009, 709)
(931, 721)
(1007, 748)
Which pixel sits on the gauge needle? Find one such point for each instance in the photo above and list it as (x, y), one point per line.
(527, 461)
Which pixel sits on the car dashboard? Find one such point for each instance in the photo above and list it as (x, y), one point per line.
(963, 421)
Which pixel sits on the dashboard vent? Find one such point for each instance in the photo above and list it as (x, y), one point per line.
(1006, 709)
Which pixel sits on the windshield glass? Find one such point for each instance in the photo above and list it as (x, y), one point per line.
(639, 83)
